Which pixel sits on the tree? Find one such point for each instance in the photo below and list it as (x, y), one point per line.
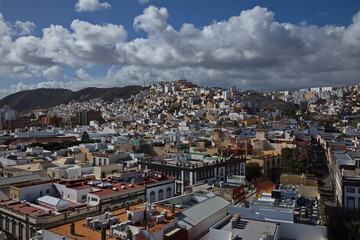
(289, 158)
(85, 137)
(308, 151)
(253, 171)
(353, 229)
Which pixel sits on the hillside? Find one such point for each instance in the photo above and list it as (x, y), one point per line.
(267, 103)
(45, 97)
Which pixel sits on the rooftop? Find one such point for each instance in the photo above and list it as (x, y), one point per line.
(83, 232)
(102, 187)
(247, 229)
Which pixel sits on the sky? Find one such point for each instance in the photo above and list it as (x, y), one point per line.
(250, 44)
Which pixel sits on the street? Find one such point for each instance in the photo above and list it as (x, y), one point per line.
(326, 189)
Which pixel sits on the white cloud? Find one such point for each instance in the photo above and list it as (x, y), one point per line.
(23, 28)
(21, 86)
(248, 50)
(82, 74)
(53, 73)
(143, 1)
(90, 5)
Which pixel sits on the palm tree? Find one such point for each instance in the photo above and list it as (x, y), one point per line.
(353, 229)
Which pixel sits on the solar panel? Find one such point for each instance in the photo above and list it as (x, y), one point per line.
(94, 182)
(104, 184)
(52, 201)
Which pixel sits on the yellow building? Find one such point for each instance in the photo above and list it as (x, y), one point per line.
(107, 170)
(298, 179)
(251, 121)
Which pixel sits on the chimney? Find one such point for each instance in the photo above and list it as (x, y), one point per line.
(103, 234)
(72, 228)
(173, 208)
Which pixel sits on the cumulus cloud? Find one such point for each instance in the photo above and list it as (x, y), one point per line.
(15, 29)
(82, 74)
(53, 73)
(90, 5)
(251, 50)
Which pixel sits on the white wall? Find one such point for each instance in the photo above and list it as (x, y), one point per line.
(32, 193)
(72, 194)
(355, 195)
(93, 199)
(73, 172)
(156, 189)
(264, 214)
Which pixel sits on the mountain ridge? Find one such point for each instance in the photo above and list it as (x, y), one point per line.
(40, 98)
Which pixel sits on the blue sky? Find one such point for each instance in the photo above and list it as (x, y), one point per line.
(269, 44)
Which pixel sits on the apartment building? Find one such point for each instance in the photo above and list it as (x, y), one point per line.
(192, 172)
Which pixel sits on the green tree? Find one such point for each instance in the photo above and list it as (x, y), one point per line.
(289, 158)
(353, 229)
(253, 171)
(85, 137)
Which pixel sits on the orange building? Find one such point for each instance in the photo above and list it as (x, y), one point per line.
(51, 120)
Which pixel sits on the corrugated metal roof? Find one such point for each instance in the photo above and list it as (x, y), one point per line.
(199, 212)
(19, 179)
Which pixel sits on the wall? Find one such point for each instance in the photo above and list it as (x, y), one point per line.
(72, 194)
(156, 188)
(203, 227)
(264, 214)
(29, 223)
(354, 195)
(73, 172)
(32, 193)
(93, 199)
(106, 169)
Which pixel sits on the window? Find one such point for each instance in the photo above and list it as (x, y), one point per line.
(41, 193)
(7, 224)
(178, 187)
(350, 203)
(168, 192)
(20, 230)
(47, 191)
(161, 194)
(83, 197)
(350, 190)
(152, 196)
(32, 232)
(13, 227)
